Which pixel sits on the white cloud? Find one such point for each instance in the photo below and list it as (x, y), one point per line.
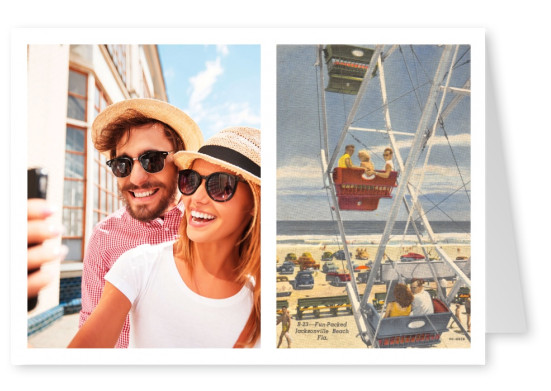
(302, 175)
(215, 117)
(457, 140)
(202, 84)
(234, 114)
(441, 180)
(222, 49)
(169, 73)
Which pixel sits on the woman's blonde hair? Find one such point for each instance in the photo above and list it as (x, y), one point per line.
(247, 270)
(363, 153)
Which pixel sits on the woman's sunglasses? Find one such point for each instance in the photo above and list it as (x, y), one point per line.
(220, 186)
(152, 162)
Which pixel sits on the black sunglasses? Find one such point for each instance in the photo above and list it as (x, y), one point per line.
(220, 186)
(151, 161)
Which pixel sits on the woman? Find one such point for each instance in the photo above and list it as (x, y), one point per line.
(366, 164)
(204, 289)
(402, 305)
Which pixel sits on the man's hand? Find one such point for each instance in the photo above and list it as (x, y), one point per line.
(40, 249)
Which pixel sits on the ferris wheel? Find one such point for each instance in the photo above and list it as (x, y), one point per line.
(414, 124)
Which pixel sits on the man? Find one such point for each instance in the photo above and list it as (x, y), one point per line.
(285, 321)
(422, 302)
(141, 137)
(389, 165)
(345, 161)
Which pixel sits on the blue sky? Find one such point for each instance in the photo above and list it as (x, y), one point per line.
(446, 179)
(216, 85)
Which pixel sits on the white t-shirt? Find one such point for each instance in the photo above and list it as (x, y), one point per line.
(422, 304)
(165, 313)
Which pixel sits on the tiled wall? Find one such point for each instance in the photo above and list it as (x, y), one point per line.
(69, 303)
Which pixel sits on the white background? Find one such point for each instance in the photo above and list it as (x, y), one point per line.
(519, 59)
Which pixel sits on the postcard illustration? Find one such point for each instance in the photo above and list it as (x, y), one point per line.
(374, 196)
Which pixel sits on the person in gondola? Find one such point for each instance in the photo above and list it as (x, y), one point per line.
(202, 290)
(345, 161)
(422, 302)
(389, 165)
(366, 164)
(402, 305)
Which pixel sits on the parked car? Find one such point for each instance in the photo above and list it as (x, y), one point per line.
(340, 255)
(379, 300)
(463, 294)
(283, 290)
(327, 256)
(287, 267)
(304, 280)
(361, 253)
(338, 279)
(291, 257)
(362, 277)
(411, 257)
(329, 267)
(306, 261)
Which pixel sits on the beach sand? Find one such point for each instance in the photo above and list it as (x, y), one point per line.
(340, 331)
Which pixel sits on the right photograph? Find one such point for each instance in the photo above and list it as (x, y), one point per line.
(373, 196)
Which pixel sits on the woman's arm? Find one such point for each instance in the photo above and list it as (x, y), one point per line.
(103, 327)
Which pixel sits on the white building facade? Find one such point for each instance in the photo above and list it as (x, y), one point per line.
(68, 85)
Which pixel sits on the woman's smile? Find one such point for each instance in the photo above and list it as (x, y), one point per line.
(199, 219)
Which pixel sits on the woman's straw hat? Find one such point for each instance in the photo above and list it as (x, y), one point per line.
(162, 111)
(236, 149)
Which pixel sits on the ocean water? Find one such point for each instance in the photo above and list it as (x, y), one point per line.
(361, 232)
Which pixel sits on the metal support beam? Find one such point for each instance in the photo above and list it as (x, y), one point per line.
(328, 181)
(409, 166)
(381, 131)
(323, 103)
(355, 106)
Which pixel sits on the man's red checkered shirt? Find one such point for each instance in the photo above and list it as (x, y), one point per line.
(118, 233)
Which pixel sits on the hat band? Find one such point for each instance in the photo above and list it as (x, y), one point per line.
(231, 156)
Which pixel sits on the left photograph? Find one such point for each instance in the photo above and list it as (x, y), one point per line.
(144, 178)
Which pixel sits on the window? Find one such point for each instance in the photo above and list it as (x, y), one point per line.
(76, 105)
(105, 199)
(74, 191)
(118, 55)
(146, 92)
(74, 186)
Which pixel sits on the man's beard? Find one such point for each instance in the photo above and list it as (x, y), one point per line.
(146, 213)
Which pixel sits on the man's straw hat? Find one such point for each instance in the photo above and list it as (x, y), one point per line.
(236, 149)
(162, 111)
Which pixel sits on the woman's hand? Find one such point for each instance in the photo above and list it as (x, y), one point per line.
(103, 328)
